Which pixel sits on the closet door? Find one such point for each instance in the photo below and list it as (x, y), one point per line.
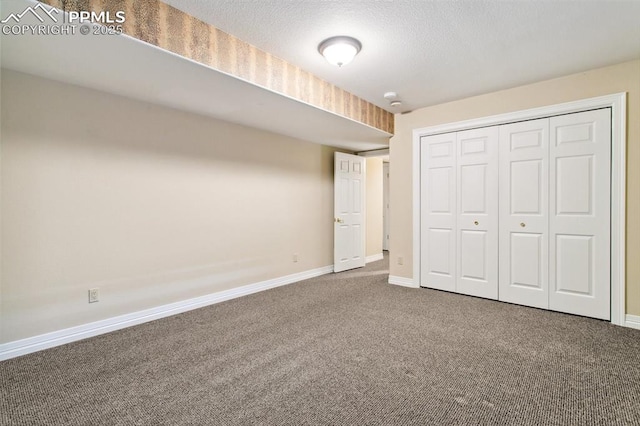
(524, 217)
(477, 212)
(580, 203)
(438, 207)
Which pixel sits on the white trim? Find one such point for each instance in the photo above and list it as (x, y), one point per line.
(68, 335)
(618, 207)
(374, 258)
(632, 321)
(402, 281)
(417, 231)
(385, 206)
(618, 104)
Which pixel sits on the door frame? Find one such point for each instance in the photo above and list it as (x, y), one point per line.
(385, 208)
(618, 104)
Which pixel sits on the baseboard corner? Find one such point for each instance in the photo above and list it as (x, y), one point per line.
(632, 321)
(374, 258)
(402, 281)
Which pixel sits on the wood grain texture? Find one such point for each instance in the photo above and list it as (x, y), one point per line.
(166, 27)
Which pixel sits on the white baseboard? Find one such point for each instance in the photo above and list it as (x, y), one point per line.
(402, 281)
(68, 335)
(374, 258)
(632, 321)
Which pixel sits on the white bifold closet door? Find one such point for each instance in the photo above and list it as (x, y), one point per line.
(459, 221)
(438, 206)
(521, 212)
(555, 213)
(524, 213)
(477, 212)
(580, 213)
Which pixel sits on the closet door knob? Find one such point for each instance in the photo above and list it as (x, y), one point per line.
(476, 223)
(522, 224)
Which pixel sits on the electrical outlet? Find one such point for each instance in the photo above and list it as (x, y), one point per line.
(295, 258)
(94, 295)
(400, 260)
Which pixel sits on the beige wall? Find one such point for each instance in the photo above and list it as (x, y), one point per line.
(149, 204)
(374, 206)
(604, 81)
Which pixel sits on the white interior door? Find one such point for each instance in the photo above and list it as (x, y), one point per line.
(477, 212)
(524, 217)
(385, 209)
(438, 219)
(580, 163)
(349, 212)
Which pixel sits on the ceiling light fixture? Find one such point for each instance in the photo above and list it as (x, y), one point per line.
(391, 96)
(339, 50)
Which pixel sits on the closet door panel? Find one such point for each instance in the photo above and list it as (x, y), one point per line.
(438, 207)
(477, 212)
(580, 151)
(524, 226)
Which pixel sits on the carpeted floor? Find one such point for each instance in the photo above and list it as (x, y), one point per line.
(341, 349)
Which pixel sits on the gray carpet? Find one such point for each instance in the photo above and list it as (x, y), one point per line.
(340, 349)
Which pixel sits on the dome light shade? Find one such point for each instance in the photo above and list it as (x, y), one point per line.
(339, 50)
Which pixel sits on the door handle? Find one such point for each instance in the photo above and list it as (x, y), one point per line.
(476, 223)
(338, 220)
(522, 224)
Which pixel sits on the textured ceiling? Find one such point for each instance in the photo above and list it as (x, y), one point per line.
(431, 52)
